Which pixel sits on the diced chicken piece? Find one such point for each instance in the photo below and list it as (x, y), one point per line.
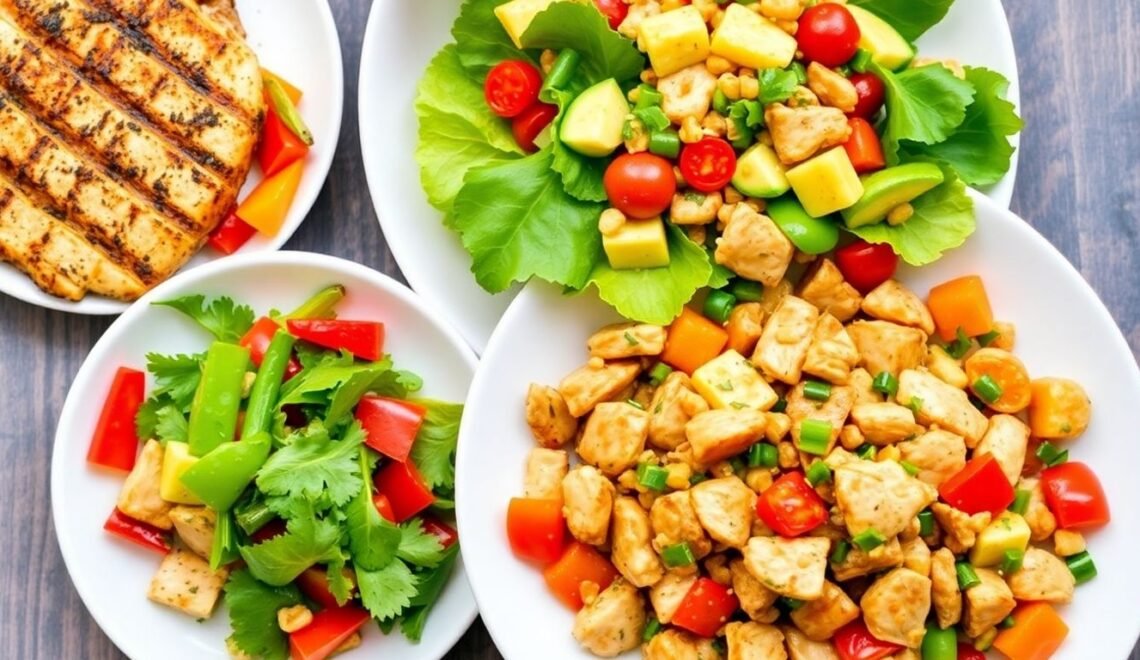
(631, 26)
(633, 553)
(885, 423)
(195, 526)
(945, 367)
(961, 529)
(549, 419)
(612, 623)
(825, 288)
(666, 596)
(938, 403)
(588, 501)
(937, 454)
(745, 325)
(755, 598)
(752, 246)
(1067, 542)
(945, 593)
(624, 340)
(860, 562)
(802, 132)
(831, 88)
(674, 520)
(1041, 521)
(687, 93)
(690, 208)
(545, 469)
(861, 381)
(834, 411)
(614, 437)
(720, 434)
(292, 619)
(674, 403)
(891, 301)
(791, 567)
(782, 349)
(140, 497)
(679, 645)
(896, 605)
(916, 556)
(185, 582)
(885, 346)
(588, 386)
(754, 641)
(1007, 438)
(802, 648)
(879, 496)
(725, 508)
(1043, 577)
(832, 354)
(820, 618)
(987, 603)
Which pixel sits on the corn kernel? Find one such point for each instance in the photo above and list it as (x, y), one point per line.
(610, 222)
(547, 60)
(717, 18)
(697, 233)
(718, 65)
(596, 362)
(715, 124)
(758, 479)
(788, 26)
(717, 566)
(729, 85)
(889, 453)
(731, 195)
(649, 77)
(708, 8)
(900, 214)
(749, 87)
(679, 475)
(691, 130)
(851, 438)
(789, 456)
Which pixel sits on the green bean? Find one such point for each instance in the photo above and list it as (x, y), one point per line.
(263, 397)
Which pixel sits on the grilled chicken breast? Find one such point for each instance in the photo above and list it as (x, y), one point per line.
(127, 128)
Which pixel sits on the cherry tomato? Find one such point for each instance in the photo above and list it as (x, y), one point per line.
(855, 642)
(530, 123)
(708, 165)
(511, 87)
(640, 185)
(1075, 496)
(828, 34)
(866, 265)
(790, 506)
(967, 652)
(871, 94)
(614, 10)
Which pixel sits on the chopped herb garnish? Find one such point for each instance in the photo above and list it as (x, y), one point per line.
(635, 404)
(958, 348)
(988, 338)
(631, 339)
(915, 404)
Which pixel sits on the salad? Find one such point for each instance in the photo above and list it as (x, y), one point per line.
(651, 148)
(289, 470)
(838, 469)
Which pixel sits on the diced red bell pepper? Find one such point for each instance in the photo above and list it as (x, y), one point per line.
(115, 443)
(1075, 496)
(364, 339)
(229, 236)
(536, 529)
(446, 534)
(405, 488)
(580, 563)
(855, 642)
(390, 425)
(980, 486)
(280, 147)
(383, 507)
(137, 532)
(314, 583)
(790, 506)
(257, 340)
(329, 629)
(706, 608)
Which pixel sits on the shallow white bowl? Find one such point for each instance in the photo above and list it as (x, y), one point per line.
(400, 41)
(296, 39)
(112, 576)
(1062, 330)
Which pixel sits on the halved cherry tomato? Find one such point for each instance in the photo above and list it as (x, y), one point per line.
(527, 126)
(536, 529)
(511, 87)
(615, 11)
(328, 630)
(640, 185)
(871, 93)
(708, 165)
(828, 34)
(1075, 496)
(364, 339)
(866, 265)
(137, 532)
(980, 486)
(863, 147)
(706, 608)
(790, 506)
(855, 642)
(405, 488)
(390, 425)
(580, 563)
(229, 236)
(115, 443)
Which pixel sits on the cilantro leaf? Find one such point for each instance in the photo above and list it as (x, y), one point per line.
(924, 105)
(433, 452)
(171, 425)
(312, 356)
(481, 41)
(372, 539)
(418, 546)
(308, 540)
(176, 376)
(253, 609)
(388, 591)
(910, 18)
(223, 318)
(431, 586)
(777, 85)
(339, 585)
(339, 387)
(605, 53)
(313, 465)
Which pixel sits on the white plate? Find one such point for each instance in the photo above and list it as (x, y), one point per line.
(400, 41)
(112, 576)
(543, 336)
(296, 39)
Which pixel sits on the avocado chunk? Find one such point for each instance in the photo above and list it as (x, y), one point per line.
(759, 173)
(175, 461)
(886, 189)
(593, 122)
(826, 183)
(809, 235)
(637, 244)
(886, 45)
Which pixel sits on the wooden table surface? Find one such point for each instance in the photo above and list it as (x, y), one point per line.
(1079, 184)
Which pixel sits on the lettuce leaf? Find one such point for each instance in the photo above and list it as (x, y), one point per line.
(481, 41)
(911, 18)
(924, 105)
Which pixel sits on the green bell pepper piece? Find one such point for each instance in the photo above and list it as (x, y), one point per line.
(220, 477)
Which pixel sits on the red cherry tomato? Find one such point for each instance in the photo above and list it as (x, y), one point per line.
(967, 652)
(1075, 496)
(791, 507)
(708, 165)
(866, 265)
(855, 642)
(828, 34)
(530, 123)
(871, 94)
(511, 87)
(614, 10)
(640, 185)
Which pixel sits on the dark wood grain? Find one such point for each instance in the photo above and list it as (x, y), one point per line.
(1079, 184)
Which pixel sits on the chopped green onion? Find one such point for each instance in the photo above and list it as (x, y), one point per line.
(635, 404)
(866, 452)
(915, 404)
(987, 389)
(780, 406)
(627, 128)
(653, 117)
(792, 604)
(910, 468)
(737, 465)
(286, 111)
(1082, 567)
(719, 305)
(926, 523)
(631, 340)
(564, 68)
(958, 348)
(886, 383)
(652, 477)
(647, 95)
(698, 478)
(818, 473)
(801, 73)
(1050, 455)
(676, 556)
(861, 60)
(967, 576)
(868, 539)
(815, 436)
(665, 143)
(817, 390)
(1008, 622)
(988, 338)
(659, 373)
(651, 629)
(839, 554)
(1020, 501)
(1011, 561)
(746, 290)
(763, 454)
(720, 102)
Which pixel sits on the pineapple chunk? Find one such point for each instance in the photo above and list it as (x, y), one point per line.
(730, 381)
(516, 16)
(827, 183)
(638, 244)
(175, 461)
(1008, 532)
(749, 39)
(674, 40)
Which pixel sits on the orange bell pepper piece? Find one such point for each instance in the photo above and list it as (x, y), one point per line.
(267, 206)
(291, 91)
(693, 340)
(1038, 631)
(961, 303)
(863, 147)
(536, 529)
(580, 563)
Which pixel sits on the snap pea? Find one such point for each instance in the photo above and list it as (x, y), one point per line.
(320, 306)
(253, 517)
(214, 410)
(224, 549)
(220, 477)
(563, 70)
(810, 235)
(263, 397)
(287, 112)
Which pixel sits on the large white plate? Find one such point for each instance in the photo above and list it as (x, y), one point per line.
(400, 41)
(112, 576)
(296, 39)
(543, 336)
